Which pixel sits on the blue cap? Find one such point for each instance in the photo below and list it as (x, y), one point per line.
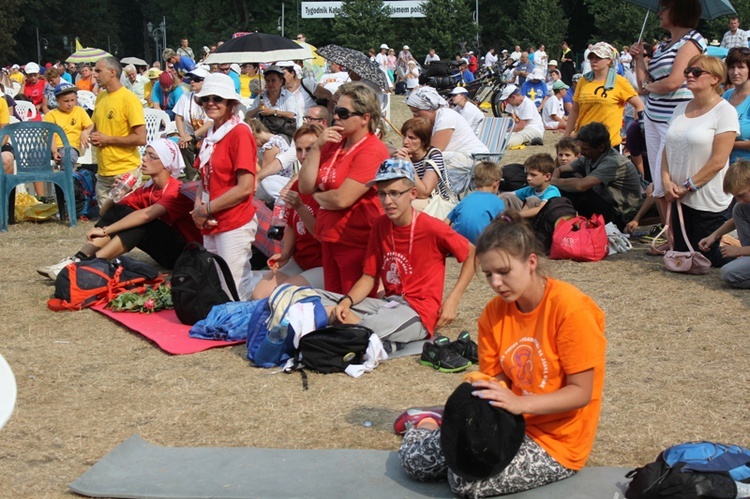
(393, 168)
(64, 88)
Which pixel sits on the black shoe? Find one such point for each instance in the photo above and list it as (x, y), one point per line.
(537, 142)
(439, 355)
(466, 347)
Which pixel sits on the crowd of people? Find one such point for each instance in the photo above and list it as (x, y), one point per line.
(370, 225)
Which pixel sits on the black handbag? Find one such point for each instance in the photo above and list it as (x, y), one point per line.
(279, 125)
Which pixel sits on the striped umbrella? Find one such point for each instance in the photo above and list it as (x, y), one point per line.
(87, 54)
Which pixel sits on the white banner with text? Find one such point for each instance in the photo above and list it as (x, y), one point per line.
(399, 8)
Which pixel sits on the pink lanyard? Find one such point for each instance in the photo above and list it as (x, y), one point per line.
(328, 175)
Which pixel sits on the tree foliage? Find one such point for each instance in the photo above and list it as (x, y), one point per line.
(539, 22)
(362, 24)
(447, 27)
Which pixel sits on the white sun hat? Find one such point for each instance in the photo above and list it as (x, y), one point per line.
(220, 85)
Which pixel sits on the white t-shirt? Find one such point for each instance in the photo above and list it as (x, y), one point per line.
(527, 111)
(473, 116)
(688, 146)
(626, 59)
(540, 60)
(382, 60)
(552, 107)
(463, 139)
(189, 110)
(431, 58)
(515, 55)
(287, 157)
(332, 81)
(489, 59)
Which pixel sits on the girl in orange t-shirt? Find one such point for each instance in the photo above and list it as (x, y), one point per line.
(541, 354)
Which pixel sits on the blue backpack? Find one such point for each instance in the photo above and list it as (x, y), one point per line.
(692, 470)
(84, 189)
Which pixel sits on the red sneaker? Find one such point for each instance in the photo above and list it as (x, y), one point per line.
(411, 417)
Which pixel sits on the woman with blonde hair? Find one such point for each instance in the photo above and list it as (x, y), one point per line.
(698, 142)
(336, 171)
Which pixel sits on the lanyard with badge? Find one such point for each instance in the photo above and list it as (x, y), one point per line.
(328, 174)
(414, 216)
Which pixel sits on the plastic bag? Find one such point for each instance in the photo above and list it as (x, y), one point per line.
(29, 208)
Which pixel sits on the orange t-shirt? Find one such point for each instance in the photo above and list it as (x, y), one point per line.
(563, 335)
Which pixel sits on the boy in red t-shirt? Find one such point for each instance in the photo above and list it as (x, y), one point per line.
(407, 251)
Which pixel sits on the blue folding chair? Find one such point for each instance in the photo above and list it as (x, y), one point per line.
(32, 148)
(495, 134)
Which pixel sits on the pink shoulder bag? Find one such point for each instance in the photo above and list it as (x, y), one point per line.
(688, 262)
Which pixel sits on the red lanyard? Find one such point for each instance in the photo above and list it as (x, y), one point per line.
(414, 216)
(328, 175)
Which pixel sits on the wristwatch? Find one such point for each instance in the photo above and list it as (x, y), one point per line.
(275, 112)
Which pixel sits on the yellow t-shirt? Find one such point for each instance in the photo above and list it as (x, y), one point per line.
(563, 335)
(4, 112)
(116, 114)
(73, 123)
(16, 77)
(147, 88)
(607, 107)
(245, 85)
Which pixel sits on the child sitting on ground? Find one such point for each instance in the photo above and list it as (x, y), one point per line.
(72, 118)
(531, 199)
(541, 355)
(271, 177)
(737, 183)
(567, 150)
(478, 209)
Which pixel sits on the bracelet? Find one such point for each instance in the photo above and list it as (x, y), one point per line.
(104, 231)
(344, 298)
(690, 186)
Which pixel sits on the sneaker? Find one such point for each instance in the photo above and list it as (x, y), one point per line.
(537, 142)
(440, 356)
(51, 271)
(411, 418)
(466, 347)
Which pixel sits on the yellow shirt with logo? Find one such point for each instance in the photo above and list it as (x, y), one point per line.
(72, 123)
(4, 112)
(16, 77)
(245, 86)
(115, 115)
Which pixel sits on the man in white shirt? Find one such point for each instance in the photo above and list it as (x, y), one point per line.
(431, 57)
(516, 54)
(540, 58)
(333, 80)
(529, 128)
(490, 58)
(471, 113)
(735, 37)
(382, 57)
(135, 82)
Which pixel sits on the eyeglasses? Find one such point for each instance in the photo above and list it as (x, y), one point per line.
(394, 195)
(344, 114)
(313, 118)
(151, 157)
(196, 79)
(695, 72)
(211, 98)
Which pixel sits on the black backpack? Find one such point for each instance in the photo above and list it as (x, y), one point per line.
(331, 349)
(200, 280)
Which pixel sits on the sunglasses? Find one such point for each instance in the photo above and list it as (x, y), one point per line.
(225, 70)
(694, 71)
(197, 79)
(211, 98)
(344, 114)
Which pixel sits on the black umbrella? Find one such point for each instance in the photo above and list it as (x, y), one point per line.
(258, 47)
(356, 62)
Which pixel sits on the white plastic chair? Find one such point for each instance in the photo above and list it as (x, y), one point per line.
(86, 99)
(8, 391)
(16, 88)
(495, 134)
(154, 120)
(26, 110)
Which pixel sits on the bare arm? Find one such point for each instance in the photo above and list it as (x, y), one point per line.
(676, 78)
(576, 184)
(342, 198)
(442, 138)
(448, 310)
(572, 119)
(134, 219)
(359, 292)
(136, 137)
(270, 164)
(532, 212)
(308, 173)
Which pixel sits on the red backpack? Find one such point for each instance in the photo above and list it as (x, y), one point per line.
(89, 282)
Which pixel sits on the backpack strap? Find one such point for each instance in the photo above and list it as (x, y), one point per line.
(227, 277)
(311, 94)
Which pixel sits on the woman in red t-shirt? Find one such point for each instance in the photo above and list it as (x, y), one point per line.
(224, 210)
(541, 355)
(344, 158)
(155, 217)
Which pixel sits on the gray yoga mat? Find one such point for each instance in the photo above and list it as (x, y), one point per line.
(138, 469)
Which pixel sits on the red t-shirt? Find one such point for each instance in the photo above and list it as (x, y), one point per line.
(307, 250)
(35, 93)
(236, 151)
(178, 206)
(350, 227)
(419, 274)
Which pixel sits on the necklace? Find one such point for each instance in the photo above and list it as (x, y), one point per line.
(414, 215)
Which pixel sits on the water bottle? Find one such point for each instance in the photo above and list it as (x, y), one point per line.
(122, 186)
(270, 350)
(278, 220)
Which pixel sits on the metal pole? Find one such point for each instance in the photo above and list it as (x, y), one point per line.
(38, 48)
(298, 15)
(282, 18)
(164, 30)
(477, 6)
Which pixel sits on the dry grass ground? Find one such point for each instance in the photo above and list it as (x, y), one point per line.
(677, 370)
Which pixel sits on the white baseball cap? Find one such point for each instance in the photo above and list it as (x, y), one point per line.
(406, 47)
(31, 68)
(384, 46)
(508, 91)
(459, 90)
